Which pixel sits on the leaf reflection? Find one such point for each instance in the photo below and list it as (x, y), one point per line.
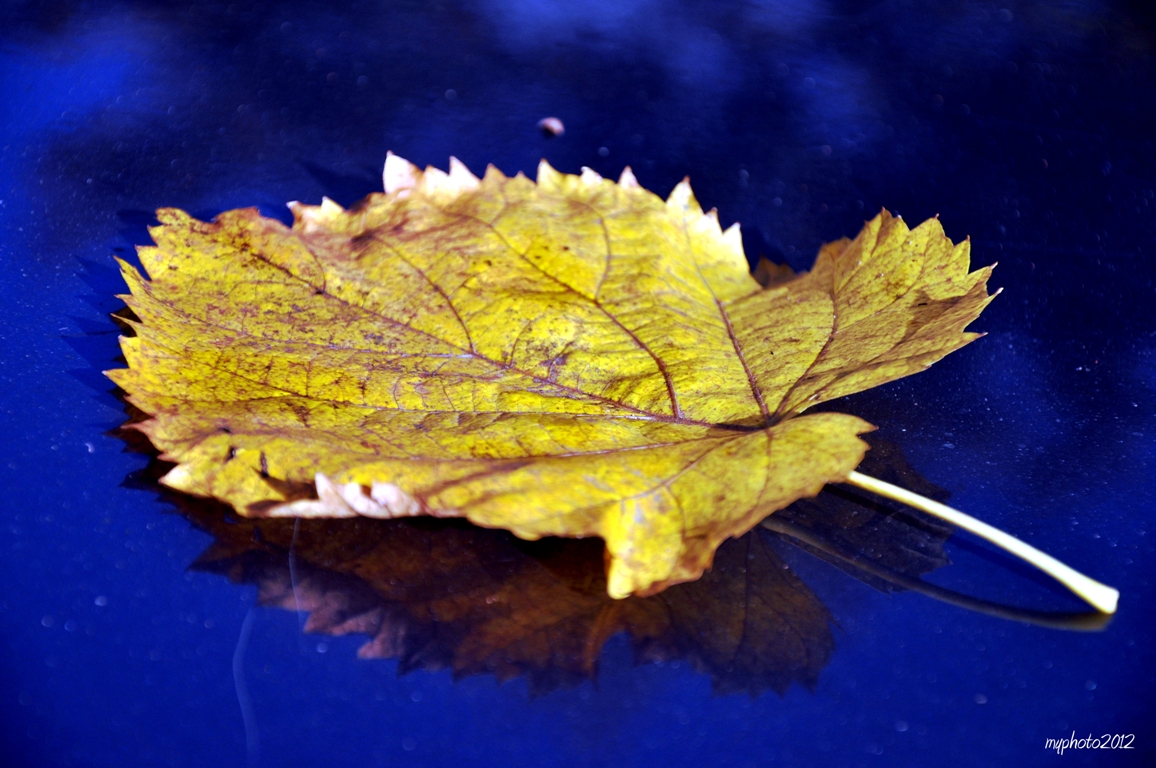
(446, 595)
(438, 594)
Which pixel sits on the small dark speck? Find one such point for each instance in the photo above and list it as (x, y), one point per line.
(232, 454)
(264, 465)
(551, 126)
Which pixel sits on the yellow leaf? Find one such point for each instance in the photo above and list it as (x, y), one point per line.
(571, 357)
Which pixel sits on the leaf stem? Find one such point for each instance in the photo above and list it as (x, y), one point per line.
(1100, 596)
(1091, 621)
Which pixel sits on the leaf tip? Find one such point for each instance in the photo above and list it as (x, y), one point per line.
(548, 177)
(682, 198)
(399, 174)
(179, 477)
(619, 585)
(436, 183)
(312, 218)
(590, 177)
(461, 177)
(627, 179)
(492, 173)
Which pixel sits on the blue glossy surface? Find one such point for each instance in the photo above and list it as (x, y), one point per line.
(1027, 126)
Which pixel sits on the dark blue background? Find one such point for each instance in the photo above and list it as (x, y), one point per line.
(1027, 125)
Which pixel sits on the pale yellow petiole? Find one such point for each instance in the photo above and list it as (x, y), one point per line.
(1100, 596)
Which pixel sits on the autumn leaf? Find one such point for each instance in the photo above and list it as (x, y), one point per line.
(571, 357)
